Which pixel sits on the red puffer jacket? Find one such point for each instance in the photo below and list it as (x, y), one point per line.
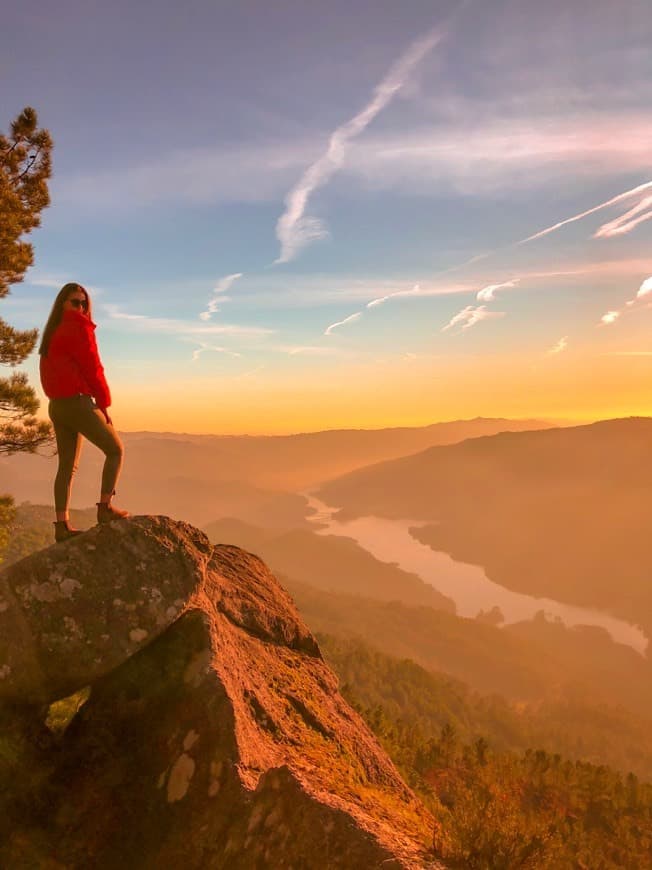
(72, 365)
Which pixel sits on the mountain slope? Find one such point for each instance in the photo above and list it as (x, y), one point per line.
(562, 513)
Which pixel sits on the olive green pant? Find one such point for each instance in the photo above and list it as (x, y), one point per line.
(73, 418)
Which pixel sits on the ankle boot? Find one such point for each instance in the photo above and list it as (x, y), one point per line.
(106, 512)
(62, 531)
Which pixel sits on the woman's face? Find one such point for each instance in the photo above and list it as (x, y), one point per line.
(76, 301)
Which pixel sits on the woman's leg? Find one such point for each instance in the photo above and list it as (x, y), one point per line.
(90, 422)
(68, 449)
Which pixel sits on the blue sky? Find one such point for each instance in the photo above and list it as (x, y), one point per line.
(334, 156)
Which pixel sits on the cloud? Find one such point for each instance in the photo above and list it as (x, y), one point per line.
(488, 294)
(471, 315)
(346, 320)
(46, 281)
(250, 373)
(309, 350)
(218, 294)
(203, 347)
(645, 288)
(415, 291)
(480, 156)
(144, 323)
(561, 345)
(626, 222)
(621, 196)
(628, 353)
(294, 228)
(257, 172)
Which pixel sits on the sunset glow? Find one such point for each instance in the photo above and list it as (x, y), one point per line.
(302, 226)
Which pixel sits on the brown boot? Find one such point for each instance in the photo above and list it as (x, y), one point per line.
(62, 531)
(106, 512)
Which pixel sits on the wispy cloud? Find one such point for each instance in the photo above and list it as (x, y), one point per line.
(250, 373)
(219, 290)
(488, 294)
(144, 323)
(415, 291)
(479, 155)
(203, 347)
(561, 345)
(309, 350)
(339, 323)
(619, 198)
(471, 315)
(56, 282)
(645, 288)
(294, 228)
(626, 222)
(256, 172)
(628, 353)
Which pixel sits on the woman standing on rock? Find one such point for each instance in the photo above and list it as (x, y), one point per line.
(73, 379)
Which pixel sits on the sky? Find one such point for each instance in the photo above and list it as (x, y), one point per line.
(294, 217)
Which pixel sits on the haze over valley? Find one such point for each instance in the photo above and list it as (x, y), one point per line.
(545, 511)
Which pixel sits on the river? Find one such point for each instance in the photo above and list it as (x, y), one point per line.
(467, 585)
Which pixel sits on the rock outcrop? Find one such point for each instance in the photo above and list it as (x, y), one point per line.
(214, 735)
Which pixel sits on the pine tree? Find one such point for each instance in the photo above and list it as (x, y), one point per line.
(25, 167)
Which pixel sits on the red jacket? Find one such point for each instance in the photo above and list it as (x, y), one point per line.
(72, 365)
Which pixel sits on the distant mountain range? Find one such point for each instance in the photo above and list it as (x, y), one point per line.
(204, 477)
(563, 513)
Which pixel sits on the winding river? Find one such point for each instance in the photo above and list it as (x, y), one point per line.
(467, 585)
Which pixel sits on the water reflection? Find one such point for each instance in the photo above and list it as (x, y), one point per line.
(467, 585)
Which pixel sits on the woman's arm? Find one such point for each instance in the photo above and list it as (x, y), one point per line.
(91, 367)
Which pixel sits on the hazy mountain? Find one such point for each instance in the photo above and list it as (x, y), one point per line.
(578, 727)
(202, 477)
(342, 590)
(562, 512)
(524, 662)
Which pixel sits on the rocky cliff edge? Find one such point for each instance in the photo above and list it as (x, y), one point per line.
(214, 735)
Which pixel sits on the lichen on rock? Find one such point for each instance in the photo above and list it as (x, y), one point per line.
(214, 735)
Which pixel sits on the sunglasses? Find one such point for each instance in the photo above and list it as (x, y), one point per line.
(79, 303)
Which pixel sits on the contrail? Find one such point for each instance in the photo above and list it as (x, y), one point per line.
(294, 230)
(349, 319)
(589, 211)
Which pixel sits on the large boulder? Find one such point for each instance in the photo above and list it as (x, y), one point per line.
(223, 742)
(74, 611)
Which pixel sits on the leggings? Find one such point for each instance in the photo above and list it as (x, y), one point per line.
(71, 419)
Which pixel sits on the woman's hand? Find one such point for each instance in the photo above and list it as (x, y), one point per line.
(109, 422)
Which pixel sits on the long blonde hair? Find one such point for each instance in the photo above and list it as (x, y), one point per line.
(57, 313)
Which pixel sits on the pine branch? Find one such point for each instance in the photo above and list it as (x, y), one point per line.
(24, 438)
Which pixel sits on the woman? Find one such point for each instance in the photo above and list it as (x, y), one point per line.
(73, 379)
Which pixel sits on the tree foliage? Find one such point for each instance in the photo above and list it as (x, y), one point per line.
(494, 809)
(25, 167)
(7, 514)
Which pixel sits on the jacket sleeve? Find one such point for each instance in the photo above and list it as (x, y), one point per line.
(91, 366)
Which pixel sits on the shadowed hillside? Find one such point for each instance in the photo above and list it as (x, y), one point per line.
(562, 513)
